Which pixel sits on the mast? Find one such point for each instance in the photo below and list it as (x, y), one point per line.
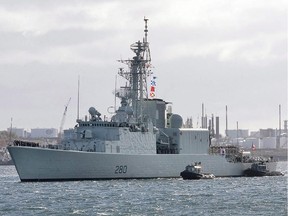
(137, 74)
(78, 97)
(10, 132)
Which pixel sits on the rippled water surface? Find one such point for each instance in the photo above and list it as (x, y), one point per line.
(220, 196)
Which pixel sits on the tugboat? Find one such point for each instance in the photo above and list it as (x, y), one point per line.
(194, 172)
(260, 169)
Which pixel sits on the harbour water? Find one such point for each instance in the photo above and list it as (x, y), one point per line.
(221, 196)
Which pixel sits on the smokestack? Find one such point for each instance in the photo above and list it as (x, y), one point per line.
(226, 131)
(217, 128)
(279, 134)
(202, 109)
(202, 117)
(279, 119)
(212, 125)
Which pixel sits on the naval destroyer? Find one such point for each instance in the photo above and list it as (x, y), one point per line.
(143, 139)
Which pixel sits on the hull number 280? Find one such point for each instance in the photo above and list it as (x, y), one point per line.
(120, 169)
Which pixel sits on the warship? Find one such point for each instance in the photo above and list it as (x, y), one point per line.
(143, 139)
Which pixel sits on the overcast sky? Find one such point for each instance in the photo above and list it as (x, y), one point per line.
(216, 52)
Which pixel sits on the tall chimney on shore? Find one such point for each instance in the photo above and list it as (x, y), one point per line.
(226, 131)
(278, 136)
(279, 119)
(217, 128)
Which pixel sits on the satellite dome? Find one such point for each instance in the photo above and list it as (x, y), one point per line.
(176, 121)
(92, 111)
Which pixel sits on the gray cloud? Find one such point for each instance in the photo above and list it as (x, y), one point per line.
(218, 52)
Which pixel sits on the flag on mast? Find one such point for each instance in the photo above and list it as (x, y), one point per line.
(153, 87)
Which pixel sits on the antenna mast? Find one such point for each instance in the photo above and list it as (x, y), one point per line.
(78, 97)
(146, 29)
(10, 132)
(137, 73)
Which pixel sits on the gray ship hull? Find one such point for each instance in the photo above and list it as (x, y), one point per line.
(40, 164)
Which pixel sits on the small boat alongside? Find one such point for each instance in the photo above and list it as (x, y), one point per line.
(260, 169)
(193, 171)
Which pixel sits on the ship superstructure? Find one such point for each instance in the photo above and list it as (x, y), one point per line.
(143, 139)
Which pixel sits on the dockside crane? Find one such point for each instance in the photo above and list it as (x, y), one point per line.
(63, 121)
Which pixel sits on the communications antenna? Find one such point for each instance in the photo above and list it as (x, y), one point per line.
(139, 69)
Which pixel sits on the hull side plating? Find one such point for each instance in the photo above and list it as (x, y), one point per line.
(36, 164)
